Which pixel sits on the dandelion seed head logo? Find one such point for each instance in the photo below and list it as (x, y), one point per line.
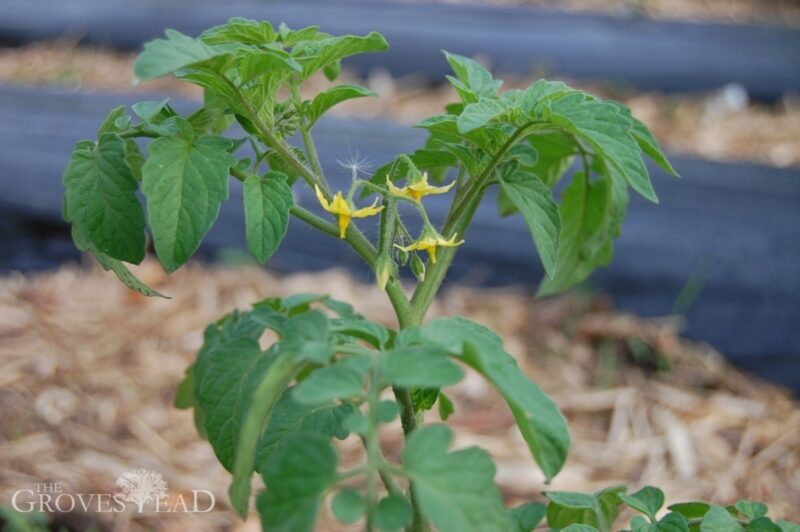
(141, 486)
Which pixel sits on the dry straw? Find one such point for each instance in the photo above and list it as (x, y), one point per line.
(88, 370)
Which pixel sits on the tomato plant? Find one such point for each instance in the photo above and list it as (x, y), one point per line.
(275, 412)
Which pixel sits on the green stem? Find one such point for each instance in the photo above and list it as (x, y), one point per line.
(311, 149)
(391, 484)
(266, 394)
(456, 224)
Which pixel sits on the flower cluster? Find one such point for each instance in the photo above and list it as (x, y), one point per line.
(415, 189)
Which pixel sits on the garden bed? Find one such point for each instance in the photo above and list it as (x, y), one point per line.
(651, 55)
(720, 125)
(87, 396)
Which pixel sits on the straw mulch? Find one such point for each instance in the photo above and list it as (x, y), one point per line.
(88, 370)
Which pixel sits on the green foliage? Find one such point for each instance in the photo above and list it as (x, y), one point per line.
(185, 181)
(539, 420)
(533, 200)
(333, 96)
(296, 480)
(276, 410)
(267, 202)
(456, 489)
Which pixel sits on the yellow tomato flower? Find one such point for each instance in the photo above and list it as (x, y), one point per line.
(418, 189)
(429, 241)
(344, 209)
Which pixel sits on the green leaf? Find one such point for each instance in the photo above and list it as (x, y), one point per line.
(267, 202)
(528, 516)
(225, 379)
(265, 63)
(446, 407)
(647, 142)
(356, 326)
(333, 96)
(348, 506)
(473, 80)
(690, 510)
(296, 480)
(556, 151)
(134, 158)
(116, 122)
(387, 411)
(153, 111)
(788, 526)
(751, 509)
(240, 30)
(392, 513)
(290, 418)
(185, 181)
(292, 37)
(184, 395)
(176, 52)
(650, 146)
(110, 264)
(579, 528)
(456, 490)
(534, 201)
(541, 424)
(420, 367)
(534, 99)
(577, 501)
(314, 55)
(591, 215)
(424, 398)
(342, 380)
(672, 522)
(332, 70)
(258, 408)
(608, 131)
(523, 153)
(226, 376)
(717, 519)
(762, 524)
(101, 200)
(480, 113)
(599, 510)
(647, 500)
(307, 336)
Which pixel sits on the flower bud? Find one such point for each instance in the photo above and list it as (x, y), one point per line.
(418, 267)
(383, 270)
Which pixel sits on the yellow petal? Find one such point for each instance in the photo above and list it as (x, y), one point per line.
(432, 253)
(321, 199)
(393, 189)
(368, 211)
(411, 247)
(339, 205)
(450, 243)
(344, 221)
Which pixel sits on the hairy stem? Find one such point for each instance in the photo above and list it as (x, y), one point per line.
(456, 223)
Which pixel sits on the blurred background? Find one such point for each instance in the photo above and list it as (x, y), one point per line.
(678, 365)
